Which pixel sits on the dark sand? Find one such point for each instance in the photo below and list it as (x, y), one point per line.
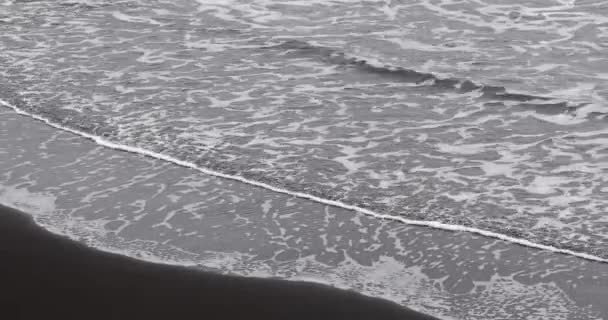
(46, 276)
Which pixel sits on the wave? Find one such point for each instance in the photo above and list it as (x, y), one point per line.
(103, 141)
(541, 104)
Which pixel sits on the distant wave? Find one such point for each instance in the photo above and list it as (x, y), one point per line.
(541, 104)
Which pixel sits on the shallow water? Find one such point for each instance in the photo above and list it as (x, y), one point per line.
(476, 113)
(154, 210)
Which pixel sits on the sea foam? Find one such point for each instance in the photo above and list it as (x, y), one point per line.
(425, 223)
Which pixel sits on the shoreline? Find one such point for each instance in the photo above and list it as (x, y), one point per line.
(47, 275)
(153, 210)
(99, 140)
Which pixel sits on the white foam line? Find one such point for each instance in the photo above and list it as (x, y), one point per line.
(334, 203)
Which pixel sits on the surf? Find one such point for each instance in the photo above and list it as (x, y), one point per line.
(334, 203)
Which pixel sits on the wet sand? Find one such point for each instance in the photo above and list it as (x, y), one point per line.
(48, 276)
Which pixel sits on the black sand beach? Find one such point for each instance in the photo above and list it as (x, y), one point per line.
(447, 156)
(45, 276)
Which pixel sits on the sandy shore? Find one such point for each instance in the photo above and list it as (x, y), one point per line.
(48, 276)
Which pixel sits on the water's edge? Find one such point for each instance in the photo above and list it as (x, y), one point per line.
(432, 224)
(218, 291)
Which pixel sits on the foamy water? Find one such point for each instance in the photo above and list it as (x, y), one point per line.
(482, 115)
(153, 209)
(334, 203)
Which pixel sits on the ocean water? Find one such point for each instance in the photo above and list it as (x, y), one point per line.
(471, 113)
(475, 115)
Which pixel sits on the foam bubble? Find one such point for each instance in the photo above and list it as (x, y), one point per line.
(22, 199)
